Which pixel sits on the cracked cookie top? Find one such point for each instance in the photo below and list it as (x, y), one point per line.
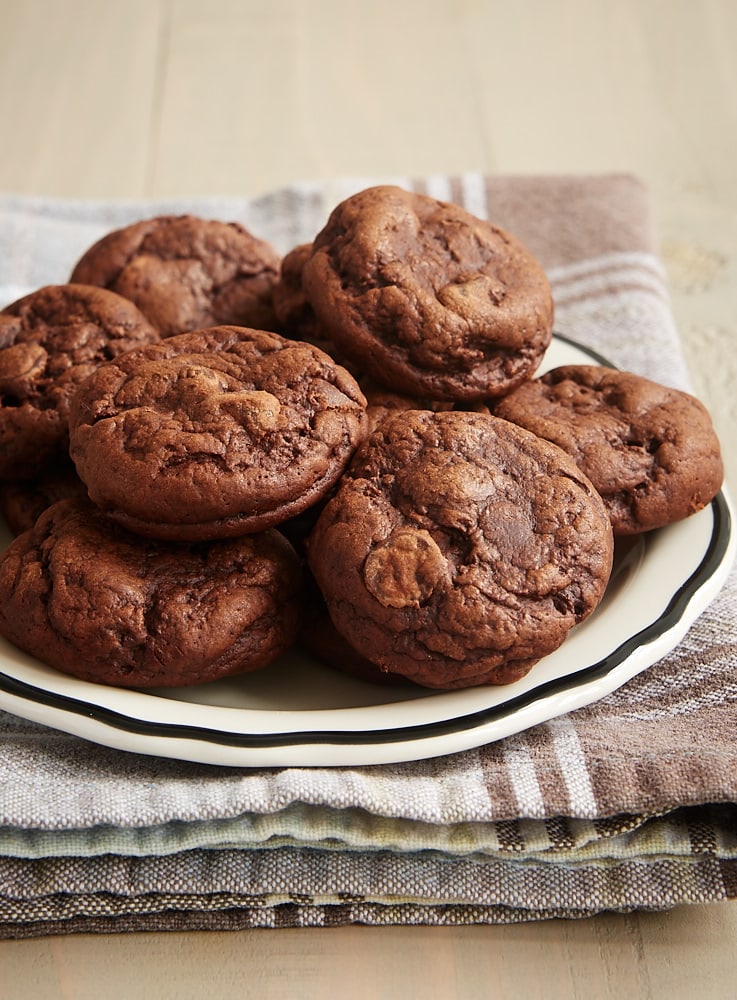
(459, 549)
(95, 601)
(215, 433)
(650, 450)
(186, 273)
(50, 341)
(428, 298)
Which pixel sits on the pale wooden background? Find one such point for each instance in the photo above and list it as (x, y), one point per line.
(103, 98)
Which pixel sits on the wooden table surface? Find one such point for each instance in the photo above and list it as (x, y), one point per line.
(230, 97)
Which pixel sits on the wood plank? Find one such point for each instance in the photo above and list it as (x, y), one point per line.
(684, 952)
(297, 91)
(597, 87)
(78, 96)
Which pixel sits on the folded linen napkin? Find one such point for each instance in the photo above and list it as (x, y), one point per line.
(628, 803)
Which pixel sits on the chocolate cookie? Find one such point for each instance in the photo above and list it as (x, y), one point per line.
(427, 298)
(320, 639)
(460, 549)
(383, 402)
(50, 341)
(215, 433)
(22, 500)
(650, 451)
(295, 316)
(186, 273)
(92, 600)
(293, 311)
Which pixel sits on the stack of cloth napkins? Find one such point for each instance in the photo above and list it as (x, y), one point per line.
(627, 803)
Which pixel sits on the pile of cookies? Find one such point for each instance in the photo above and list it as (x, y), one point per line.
(208, 454)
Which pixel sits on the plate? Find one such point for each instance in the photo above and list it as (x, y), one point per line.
(298, 712)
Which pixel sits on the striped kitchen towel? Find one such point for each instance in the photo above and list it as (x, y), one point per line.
(629, 802)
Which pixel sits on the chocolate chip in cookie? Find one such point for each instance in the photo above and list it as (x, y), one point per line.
(460, 549)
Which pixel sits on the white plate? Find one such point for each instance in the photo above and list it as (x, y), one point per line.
(299, 712)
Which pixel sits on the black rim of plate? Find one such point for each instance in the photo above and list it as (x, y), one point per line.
(670, 617)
